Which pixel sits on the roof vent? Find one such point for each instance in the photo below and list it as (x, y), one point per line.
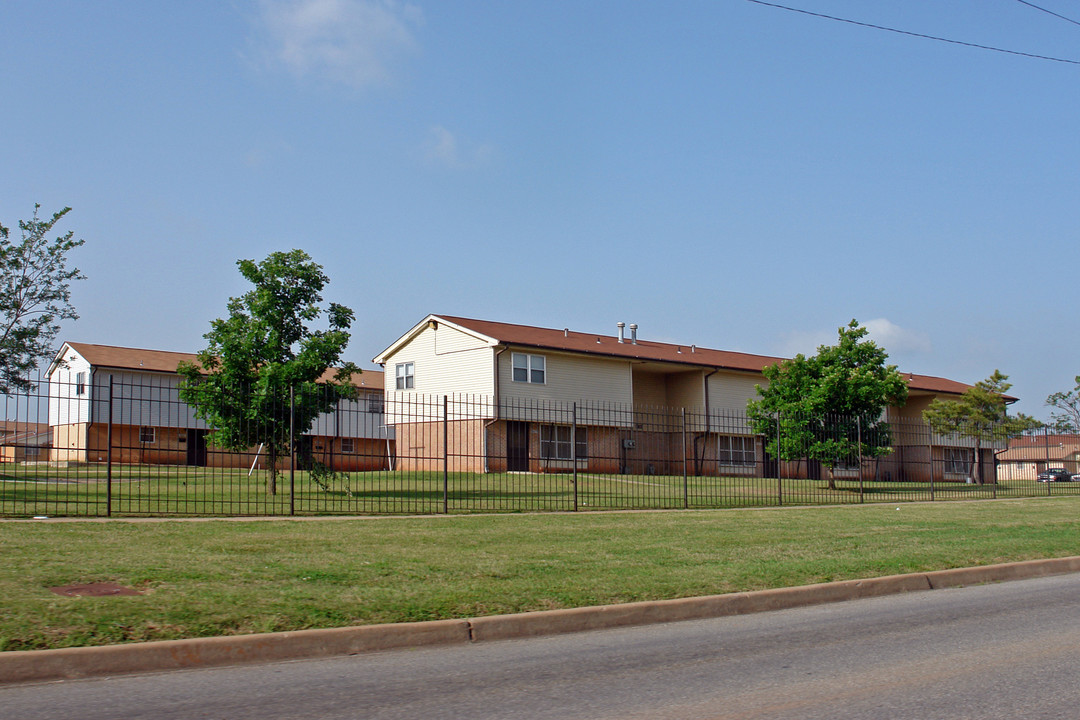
(633, 333)
(566, 332)
(620, 325)
(693, 348)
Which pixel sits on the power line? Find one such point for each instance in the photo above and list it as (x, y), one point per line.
(1048, 12)
(915, 34)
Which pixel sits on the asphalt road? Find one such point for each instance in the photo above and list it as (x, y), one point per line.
(998, 651)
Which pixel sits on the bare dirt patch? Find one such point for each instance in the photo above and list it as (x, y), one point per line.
(102, 589)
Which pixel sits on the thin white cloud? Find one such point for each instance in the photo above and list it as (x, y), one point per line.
(897, 340)
(353, 42)
(444, 148)
(806, 341)
(893, 338)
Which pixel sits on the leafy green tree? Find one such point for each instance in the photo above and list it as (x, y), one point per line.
(35, 296)
(1067, 419)
(266, 349)
(979, 414)
(830, 407)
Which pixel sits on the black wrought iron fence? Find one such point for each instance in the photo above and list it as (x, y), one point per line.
(124, 444)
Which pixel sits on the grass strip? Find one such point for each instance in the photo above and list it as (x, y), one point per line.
(221, 577)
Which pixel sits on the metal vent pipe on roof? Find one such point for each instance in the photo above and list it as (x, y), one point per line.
(633, 333)
(621, 325)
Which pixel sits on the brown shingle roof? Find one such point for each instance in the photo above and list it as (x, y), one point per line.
(609, 345)
(123, 358)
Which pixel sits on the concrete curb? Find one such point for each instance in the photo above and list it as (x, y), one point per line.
(72, 663)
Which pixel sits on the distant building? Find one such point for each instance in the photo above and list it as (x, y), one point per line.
(24, 441)
(150, 424)
(1029, 455)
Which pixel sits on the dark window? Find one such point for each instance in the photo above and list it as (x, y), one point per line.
(555, 442)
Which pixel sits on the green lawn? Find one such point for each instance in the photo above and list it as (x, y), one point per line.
(156, 490)
(215, 577)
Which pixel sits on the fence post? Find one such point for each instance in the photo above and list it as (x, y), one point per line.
(858, 440)
(445, 456)
(292, 450)
(573, 452)
(685, 488)
(108, 453)
(779, 467)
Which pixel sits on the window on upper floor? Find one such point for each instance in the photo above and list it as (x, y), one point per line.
(375, 404)
(405, 376)
(80, 383)
(529, 368)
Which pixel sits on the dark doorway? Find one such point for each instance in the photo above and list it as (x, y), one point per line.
(517, 446)
(769, 467)
(813, 469)
(304, 453)
(196, 447)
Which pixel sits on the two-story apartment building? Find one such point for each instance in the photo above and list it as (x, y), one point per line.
(523, 398)
(148, 423)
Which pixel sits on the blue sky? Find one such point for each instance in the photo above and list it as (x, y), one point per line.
(722, 173)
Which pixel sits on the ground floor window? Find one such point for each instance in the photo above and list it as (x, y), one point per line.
(556, 442)
(958, 460)
(736, 450)
(147, 435)
(348, 445)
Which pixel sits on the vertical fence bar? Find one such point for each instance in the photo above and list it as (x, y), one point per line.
(292, 450)
(858, 442)
(573, 451)
(1046, 443)
(108, 452)
(445, 457)
(930, 457)
(685, 483)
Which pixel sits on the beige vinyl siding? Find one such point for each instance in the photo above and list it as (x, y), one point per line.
(65, 407)
(445, 361)
(686, 390)
(601, 387)
(650, 389)
(569, 378)
(731, 391)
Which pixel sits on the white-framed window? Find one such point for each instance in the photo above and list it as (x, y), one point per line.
(80, 383)
(405, 376)
(736, 450)
(958, 460)
(375, 404)
(556, 442)
(348, 445)
(147, 435)
(529, 368)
